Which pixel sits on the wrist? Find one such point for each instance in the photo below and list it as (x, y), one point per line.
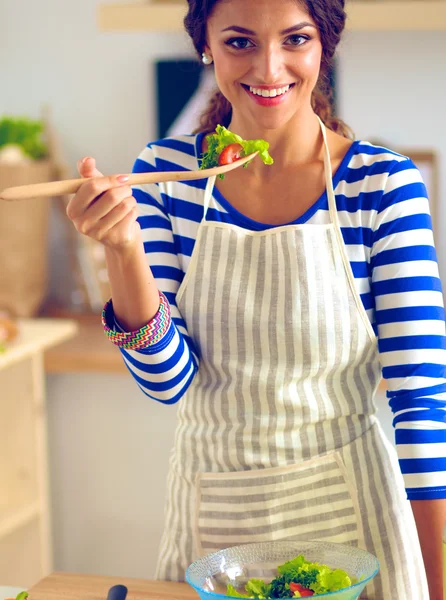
(148, 335)
(124, 253)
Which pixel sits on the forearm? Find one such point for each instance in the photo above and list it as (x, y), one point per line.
(135, 302)
(430, 517)
(133, 287)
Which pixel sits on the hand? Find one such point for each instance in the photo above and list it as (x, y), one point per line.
(104, 208)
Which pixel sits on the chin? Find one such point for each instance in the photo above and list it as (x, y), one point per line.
(272, 122)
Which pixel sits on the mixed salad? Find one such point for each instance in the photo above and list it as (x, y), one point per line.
(21, 596)
(297, 578)
(225, 147)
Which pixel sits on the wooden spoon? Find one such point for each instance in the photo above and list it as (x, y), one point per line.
(71, 186)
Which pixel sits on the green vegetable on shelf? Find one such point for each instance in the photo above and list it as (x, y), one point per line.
(25, 133)
(224, 147)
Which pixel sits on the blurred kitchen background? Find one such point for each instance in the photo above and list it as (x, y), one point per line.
(93, 71)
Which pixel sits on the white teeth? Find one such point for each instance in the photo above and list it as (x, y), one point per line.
(269, 93)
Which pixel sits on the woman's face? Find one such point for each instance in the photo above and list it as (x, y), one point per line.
(267, 57)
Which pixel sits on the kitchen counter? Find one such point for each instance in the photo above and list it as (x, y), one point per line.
(68, 586)
(88, 352)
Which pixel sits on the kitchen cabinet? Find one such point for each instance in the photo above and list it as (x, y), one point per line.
(25, 528)
(363, 15)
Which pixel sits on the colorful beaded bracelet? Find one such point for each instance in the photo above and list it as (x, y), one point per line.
(148, 335)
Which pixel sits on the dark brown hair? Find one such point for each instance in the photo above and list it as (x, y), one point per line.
(329, 16)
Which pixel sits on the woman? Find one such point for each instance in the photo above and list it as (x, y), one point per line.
(273, 305)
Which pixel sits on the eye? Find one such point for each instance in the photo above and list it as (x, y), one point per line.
(297, 40)
(240, 43)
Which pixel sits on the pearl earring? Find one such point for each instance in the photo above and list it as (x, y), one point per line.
(207, 60)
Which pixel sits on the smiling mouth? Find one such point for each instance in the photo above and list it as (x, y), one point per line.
(268, 93)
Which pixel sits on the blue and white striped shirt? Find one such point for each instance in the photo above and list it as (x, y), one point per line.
(386, 226)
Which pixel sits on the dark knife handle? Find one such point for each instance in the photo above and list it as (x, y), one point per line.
(117, 592)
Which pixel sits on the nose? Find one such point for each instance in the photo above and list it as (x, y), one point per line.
(269, 64)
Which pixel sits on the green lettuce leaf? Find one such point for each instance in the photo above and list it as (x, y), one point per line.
(260, 146)
(317, 577)
(300, 571)
(280, 586)
(231, 591)
(222, 138)
(258, 588)
(330, 581)
(292, 566)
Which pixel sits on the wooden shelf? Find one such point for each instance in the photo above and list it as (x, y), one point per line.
(141, 17)
(396, 15)
(363, 15)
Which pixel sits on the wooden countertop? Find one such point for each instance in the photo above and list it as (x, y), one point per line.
(38, 335)
(89, 351)
(68, 586)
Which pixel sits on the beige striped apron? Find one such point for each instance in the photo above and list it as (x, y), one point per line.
(277, 437)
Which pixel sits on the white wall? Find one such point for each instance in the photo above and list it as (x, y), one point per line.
(109, 445)
(392, 87)
(109, 452)
(98, 84)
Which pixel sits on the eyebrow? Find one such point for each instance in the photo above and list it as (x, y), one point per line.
(284, 32)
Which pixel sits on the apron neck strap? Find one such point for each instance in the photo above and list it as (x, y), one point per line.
(208, 195)
(328, 181)
(328, 176)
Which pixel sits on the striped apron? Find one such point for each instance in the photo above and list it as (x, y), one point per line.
(277, 437)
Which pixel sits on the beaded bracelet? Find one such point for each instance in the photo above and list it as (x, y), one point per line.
(148, 335)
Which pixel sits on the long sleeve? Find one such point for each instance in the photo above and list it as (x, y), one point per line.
(163, 370)
(410, 321)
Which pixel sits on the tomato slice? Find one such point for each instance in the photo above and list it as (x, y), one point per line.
(303, 591)
(230, 154)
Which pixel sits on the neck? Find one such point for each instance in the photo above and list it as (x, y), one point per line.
(298, 142)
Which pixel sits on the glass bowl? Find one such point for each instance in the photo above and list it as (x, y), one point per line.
(210, 575)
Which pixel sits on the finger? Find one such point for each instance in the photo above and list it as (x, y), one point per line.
(100, 230)
(89, 192)
(87, 167)
(105, 204)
